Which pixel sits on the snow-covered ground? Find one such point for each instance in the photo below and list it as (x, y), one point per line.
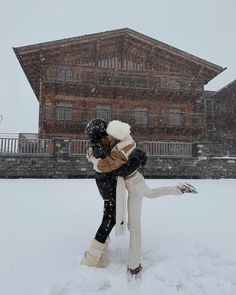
(189, 243)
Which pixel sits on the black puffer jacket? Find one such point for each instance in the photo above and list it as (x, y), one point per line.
(106, 182)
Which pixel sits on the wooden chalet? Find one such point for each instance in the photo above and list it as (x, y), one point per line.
(120, 74)
(221, 117)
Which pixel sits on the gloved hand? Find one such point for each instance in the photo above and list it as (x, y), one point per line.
(90, 157)
(89, 154)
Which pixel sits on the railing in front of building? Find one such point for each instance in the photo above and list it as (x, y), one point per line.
(78, 147)
(167, 149)
(24, 146)
(152, 148)
(45, 147)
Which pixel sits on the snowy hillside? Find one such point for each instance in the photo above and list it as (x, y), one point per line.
(188, 248)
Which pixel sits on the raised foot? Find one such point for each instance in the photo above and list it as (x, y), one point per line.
(187, 188)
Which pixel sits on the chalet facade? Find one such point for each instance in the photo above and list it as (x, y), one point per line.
(220, 109)
(223, 112)
(118, 74)
(122, 74)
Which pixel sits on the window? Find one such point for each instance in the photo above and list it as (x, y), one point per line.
(175, 117)
(141, 115)
(173, 84)
(47, 112)
(61, 75)
(103, 112)
(64, 112)
(68, 75)
(64, 75)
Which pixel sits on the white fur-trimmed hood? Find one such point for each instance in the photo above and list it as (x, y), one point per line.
(117, 129)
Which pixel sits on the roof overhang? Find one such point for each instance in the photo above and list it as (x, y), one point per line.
(31, 56)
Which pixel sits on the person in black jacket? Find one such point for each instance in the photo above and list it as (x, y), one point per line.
(122, 145)
(106, 183)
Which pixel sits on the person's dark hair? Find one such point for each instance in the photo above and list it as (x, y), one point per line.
(139, 155)
(96, 129)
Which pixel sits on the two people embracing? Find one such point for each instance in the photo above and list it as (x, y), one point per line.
(116, 159)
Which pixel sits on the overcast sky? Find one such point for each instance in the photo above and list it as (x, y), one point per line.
(204, 28)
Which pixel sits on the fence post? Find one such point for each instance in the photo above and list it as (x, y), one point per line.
(60, 148)
(200, 151)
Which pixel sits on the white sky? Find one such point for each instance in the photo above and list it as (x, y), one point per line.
(205, 28)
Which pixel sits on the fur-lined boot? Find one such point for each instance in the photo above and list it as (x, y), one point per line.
(104, 260)
(95, 255)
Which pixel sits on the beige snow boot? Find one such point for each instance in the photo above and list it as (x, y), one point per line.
(93, 256)
(104, 260)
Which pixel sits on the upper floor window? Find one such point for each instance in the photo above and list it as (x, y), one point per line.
(47, 113)
(103, 112)
(141, 115)
(64, 111)
(175, 117)
(173, 84)
(64, 75)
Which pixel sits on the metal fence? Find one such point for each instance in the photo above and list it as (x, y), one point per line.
(78, 147)
(167, 149)
(152, 148)
(23, 146)
(41, 147)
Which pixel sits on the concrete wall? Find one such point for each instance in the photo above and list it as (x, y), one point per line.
(190, 168)
(44, 167)
(60, 164)
(78, 167)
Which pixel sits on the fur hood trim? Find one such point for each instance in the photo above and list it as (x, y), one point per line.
(119, 130)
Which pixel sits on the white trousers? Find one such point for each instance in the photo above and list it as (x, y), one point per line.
(137, 188)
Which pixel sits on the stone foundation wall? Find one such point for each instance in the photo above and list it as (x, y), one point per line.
(61, 164)
(78, 167)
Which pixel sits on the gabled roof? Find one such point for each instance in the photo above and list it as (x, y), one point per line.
(30, 56)
(127, 31)
(228, 91)
(208, 94)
